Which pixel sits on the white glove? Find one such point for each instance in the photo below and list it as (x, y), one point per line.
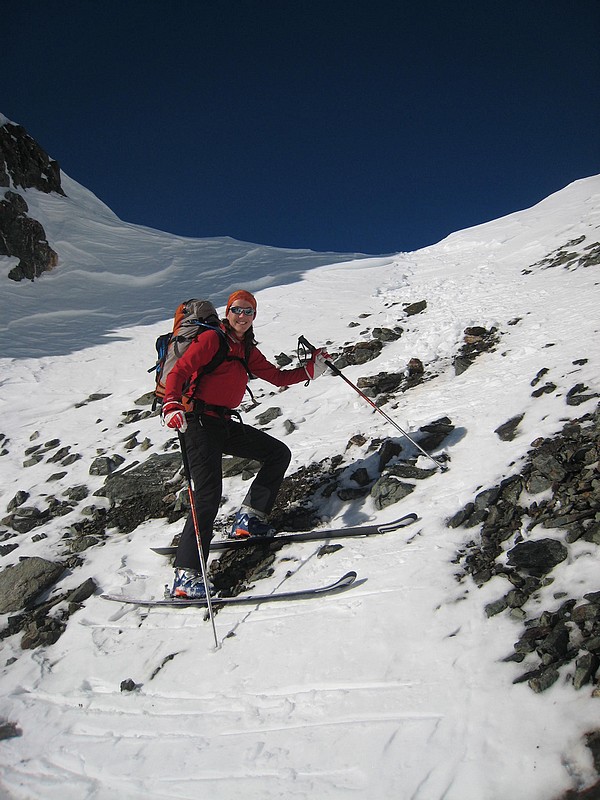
(173, 414)
(317, 364)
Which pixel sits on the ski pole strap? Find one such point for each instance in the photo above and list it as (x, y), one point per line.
(303, 342)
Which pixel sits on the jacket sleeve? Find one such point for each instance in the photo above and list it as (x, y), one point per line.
(263, 369)
(198, 354)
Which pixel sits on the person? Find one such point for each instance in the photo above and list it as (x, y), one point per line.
(214, 428)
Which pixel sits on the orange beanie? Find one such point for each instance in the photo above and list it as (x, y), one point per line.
(241, 294)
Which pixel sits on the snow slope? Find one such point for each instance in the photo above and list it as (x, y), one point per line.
(113, 275)
(394, 689)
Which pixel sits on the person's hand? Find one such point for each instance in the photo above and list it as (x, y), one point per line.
(173, 414)
(317, 364)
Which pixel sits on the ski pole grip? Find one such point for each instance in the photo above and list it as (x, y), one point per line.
(305, 343)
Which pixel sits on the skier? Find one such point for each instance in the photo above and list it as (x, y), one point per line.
(214, 428)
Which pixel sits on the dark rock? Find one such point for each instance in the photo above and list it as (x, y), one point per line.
(360, 476)
(387, 334)
(408, 471)
(24, 161)
(544, 680)
(547, 388)
(23, 582)
(348, 493)
(269, 415)
(9, 730)
(461, 516)
(381, 383)
(415, 367)
(389, 449)
(359, 353)
(129, 685)
(138, 494)
(538, 557)
(82, 592)
(388, 490)
(233, 465)
(477, 340)
(411, 309)
(576, 396)
(105, 465)
(24, 238)
(18, 500)
(435, 432)
(586, 667)
(548, 466)
(508, 430)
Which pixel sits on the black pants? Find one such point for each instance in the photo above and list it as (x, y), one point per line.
(207, 438)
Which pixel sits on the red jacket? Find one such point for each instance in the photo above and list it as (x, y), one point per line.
(224, 386)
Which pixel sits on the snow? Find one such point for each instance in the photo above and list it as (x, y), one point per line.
(393, 689)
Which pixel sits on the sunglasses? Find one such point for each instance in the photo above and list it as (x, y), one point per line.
(239, 311)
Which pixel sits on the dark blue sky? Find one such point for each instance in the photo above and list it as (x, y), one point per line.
(339, 125)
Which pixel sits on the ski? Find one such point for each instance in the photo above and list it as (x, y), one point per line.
(343, 583)
(302, 536)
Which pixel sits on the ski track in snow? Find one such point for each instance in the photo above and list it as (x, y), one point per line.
(395, 688)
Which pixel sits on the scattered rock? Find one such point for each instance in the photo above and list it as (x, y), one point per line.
(23, 582)
(507, 431)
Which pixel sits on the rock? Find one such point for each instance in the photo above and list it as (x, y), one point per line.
(415, 367)
(382, 383)
(269, 415)
(411, 309)
(586, 667)
(548, 466)
(105, 465)
(389, 449)
(138, 493)
(18, 500)
(129, 685)
(507, 431)
(361, 477)
(9, 730)
(538, 557)
(82, 592)
(544, 680)
(408, 471)
(387, 334)
(283, 360)
(25, 162)
(233, 465)
(388, 490)
(359, 353)
(21, 583)
(477, 340)
(24, 238)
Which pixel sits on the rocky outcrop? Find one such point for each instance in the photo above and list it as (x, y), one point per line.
(510, 545)
(23, 164)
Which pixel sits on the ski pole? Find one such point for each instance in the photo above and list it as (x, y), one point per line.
(302, 340)
(190, 483)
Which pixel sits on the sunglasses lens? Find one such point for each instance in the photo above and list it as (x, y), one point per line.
(239, 311)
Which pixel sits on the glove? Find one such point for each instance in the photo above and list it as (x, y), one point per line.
(317, 364)
(173, 414)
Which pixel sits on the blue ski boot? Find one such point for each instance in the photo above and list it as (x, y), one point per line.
(248, 523)
(189, 585)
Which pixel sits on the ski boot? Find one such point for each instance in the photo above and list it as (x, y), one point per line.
(249, 522)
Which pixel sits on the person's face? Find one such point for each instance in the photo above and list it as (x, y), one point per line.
(240, 321)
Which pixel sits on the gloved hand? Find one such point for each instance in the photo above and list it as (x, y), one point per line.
(173, 414)
(317, 364)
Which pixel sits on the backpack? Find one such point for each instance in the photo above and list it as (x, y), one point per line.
(192, 319)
